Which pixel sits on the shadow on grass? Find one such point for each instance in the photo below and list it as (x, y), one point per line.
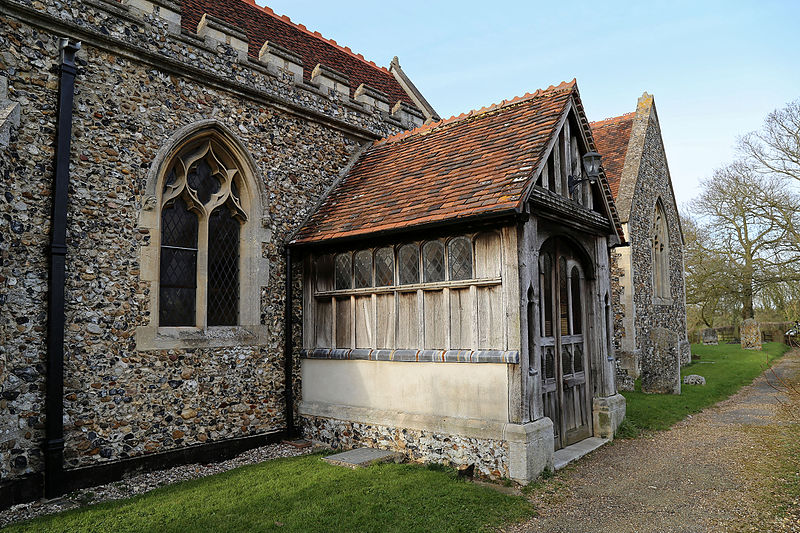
(302, 494)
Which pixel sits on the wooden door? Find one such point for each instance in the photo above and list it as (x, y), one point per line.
(562, 346)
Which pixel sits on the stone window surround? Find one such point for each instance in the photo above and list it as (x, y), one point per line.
(254, 269)
(662, 289)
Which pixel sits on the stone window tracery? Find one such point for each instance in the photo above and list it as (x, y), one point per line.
(660, 254)
(202, 214)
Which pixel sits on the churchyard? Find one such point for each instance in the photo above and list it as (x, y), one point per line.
(306, 494)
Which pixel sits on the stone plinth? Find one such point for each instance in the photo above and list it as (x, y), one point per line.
(661, 369)
(710, 336)
(750, 332)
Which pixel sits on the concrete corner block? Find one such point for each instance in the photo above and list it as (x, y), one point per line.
(607, 414)
(530, 449)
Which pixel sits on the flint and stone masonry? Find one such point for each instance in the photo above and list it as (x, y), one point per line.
(142, 87)
(647, 295)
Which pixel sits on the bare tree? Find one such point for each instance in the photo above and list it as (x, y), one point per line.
(745, 220)
(775, 148)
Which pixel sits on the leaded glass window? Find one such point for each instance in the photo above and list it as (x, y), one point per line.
(223, 268)
(408, 264)
(178, 287)
(363, 269)
(433, 261)
(384, 267)
(344, 271)
(459, 258)
(201, 217)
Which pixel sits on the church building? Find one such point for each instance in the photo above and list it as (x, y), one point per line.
(219, 230)
(650, 335)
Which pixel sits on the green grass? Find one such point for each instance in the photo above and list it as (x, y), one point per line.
(726, 368)
(302, 494)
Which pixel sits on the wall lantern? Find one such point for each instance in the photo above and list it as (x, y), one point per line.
(591, 164)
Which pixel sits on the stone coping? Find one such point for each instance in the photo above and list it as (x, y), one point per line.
(415, 356)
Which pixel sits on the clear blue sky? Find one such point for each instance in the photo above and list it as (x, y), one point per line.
(715, 68)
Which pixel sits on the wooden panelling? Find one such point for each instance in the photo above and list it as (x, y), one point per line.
(322, 324)
(407, 321)
(490, 319)
(487, 255)
(435, 320)
(460, 320)
(365, 322)
(343, 323)
(386, 321)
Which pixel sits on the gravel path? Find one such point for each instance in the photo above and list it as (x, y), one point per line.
(142, 483)
(701, 475)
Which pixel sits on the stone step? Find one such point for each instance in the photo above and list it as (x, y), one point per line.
(361, 457)
(573, 452)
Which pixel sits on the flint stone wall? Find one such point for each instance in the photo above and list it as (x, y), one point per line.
(652, 183)
(489, 456)
(121, 402)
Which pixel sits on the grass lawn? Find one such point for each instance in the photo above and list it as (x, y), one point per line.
(726, 368)
(302, 494)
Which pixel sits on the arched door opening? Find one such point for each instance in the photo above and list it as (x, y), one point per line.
(562, 342)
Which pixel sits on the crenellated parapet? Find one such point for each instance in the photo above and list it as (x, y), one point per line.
(279, 60)
(407, 114)
(373, 98)
(216, 31)
(154, 32)
(165, 9)
(334, 81)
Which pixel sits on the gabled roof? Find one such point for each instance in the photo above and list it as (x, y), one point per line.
(621, 142)
(611, 137)
(479, 164)
(262, 24)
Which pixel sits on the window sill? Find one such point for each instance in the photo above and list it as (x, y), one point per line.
(461, 284)
(156, 338)
(662, 301)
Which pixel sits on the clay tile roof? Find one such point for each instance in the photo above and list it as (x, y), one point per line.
(611, 137)
(476, 164)
(262, 24)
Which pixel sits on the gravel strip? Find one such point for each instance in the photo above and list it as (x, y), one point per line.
(141, 483)
(710, 472)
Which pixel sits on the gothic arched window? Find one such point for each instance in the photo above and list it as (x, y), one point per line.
(660, 254)
(202, 215)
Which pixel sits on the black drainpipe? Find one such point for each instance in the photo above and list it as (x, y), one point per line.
(288, 347)
(54, 404)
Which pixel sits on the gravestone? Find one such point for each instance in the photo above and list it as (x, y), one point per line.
(710, 336)
(750, 332)
(661, 368)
